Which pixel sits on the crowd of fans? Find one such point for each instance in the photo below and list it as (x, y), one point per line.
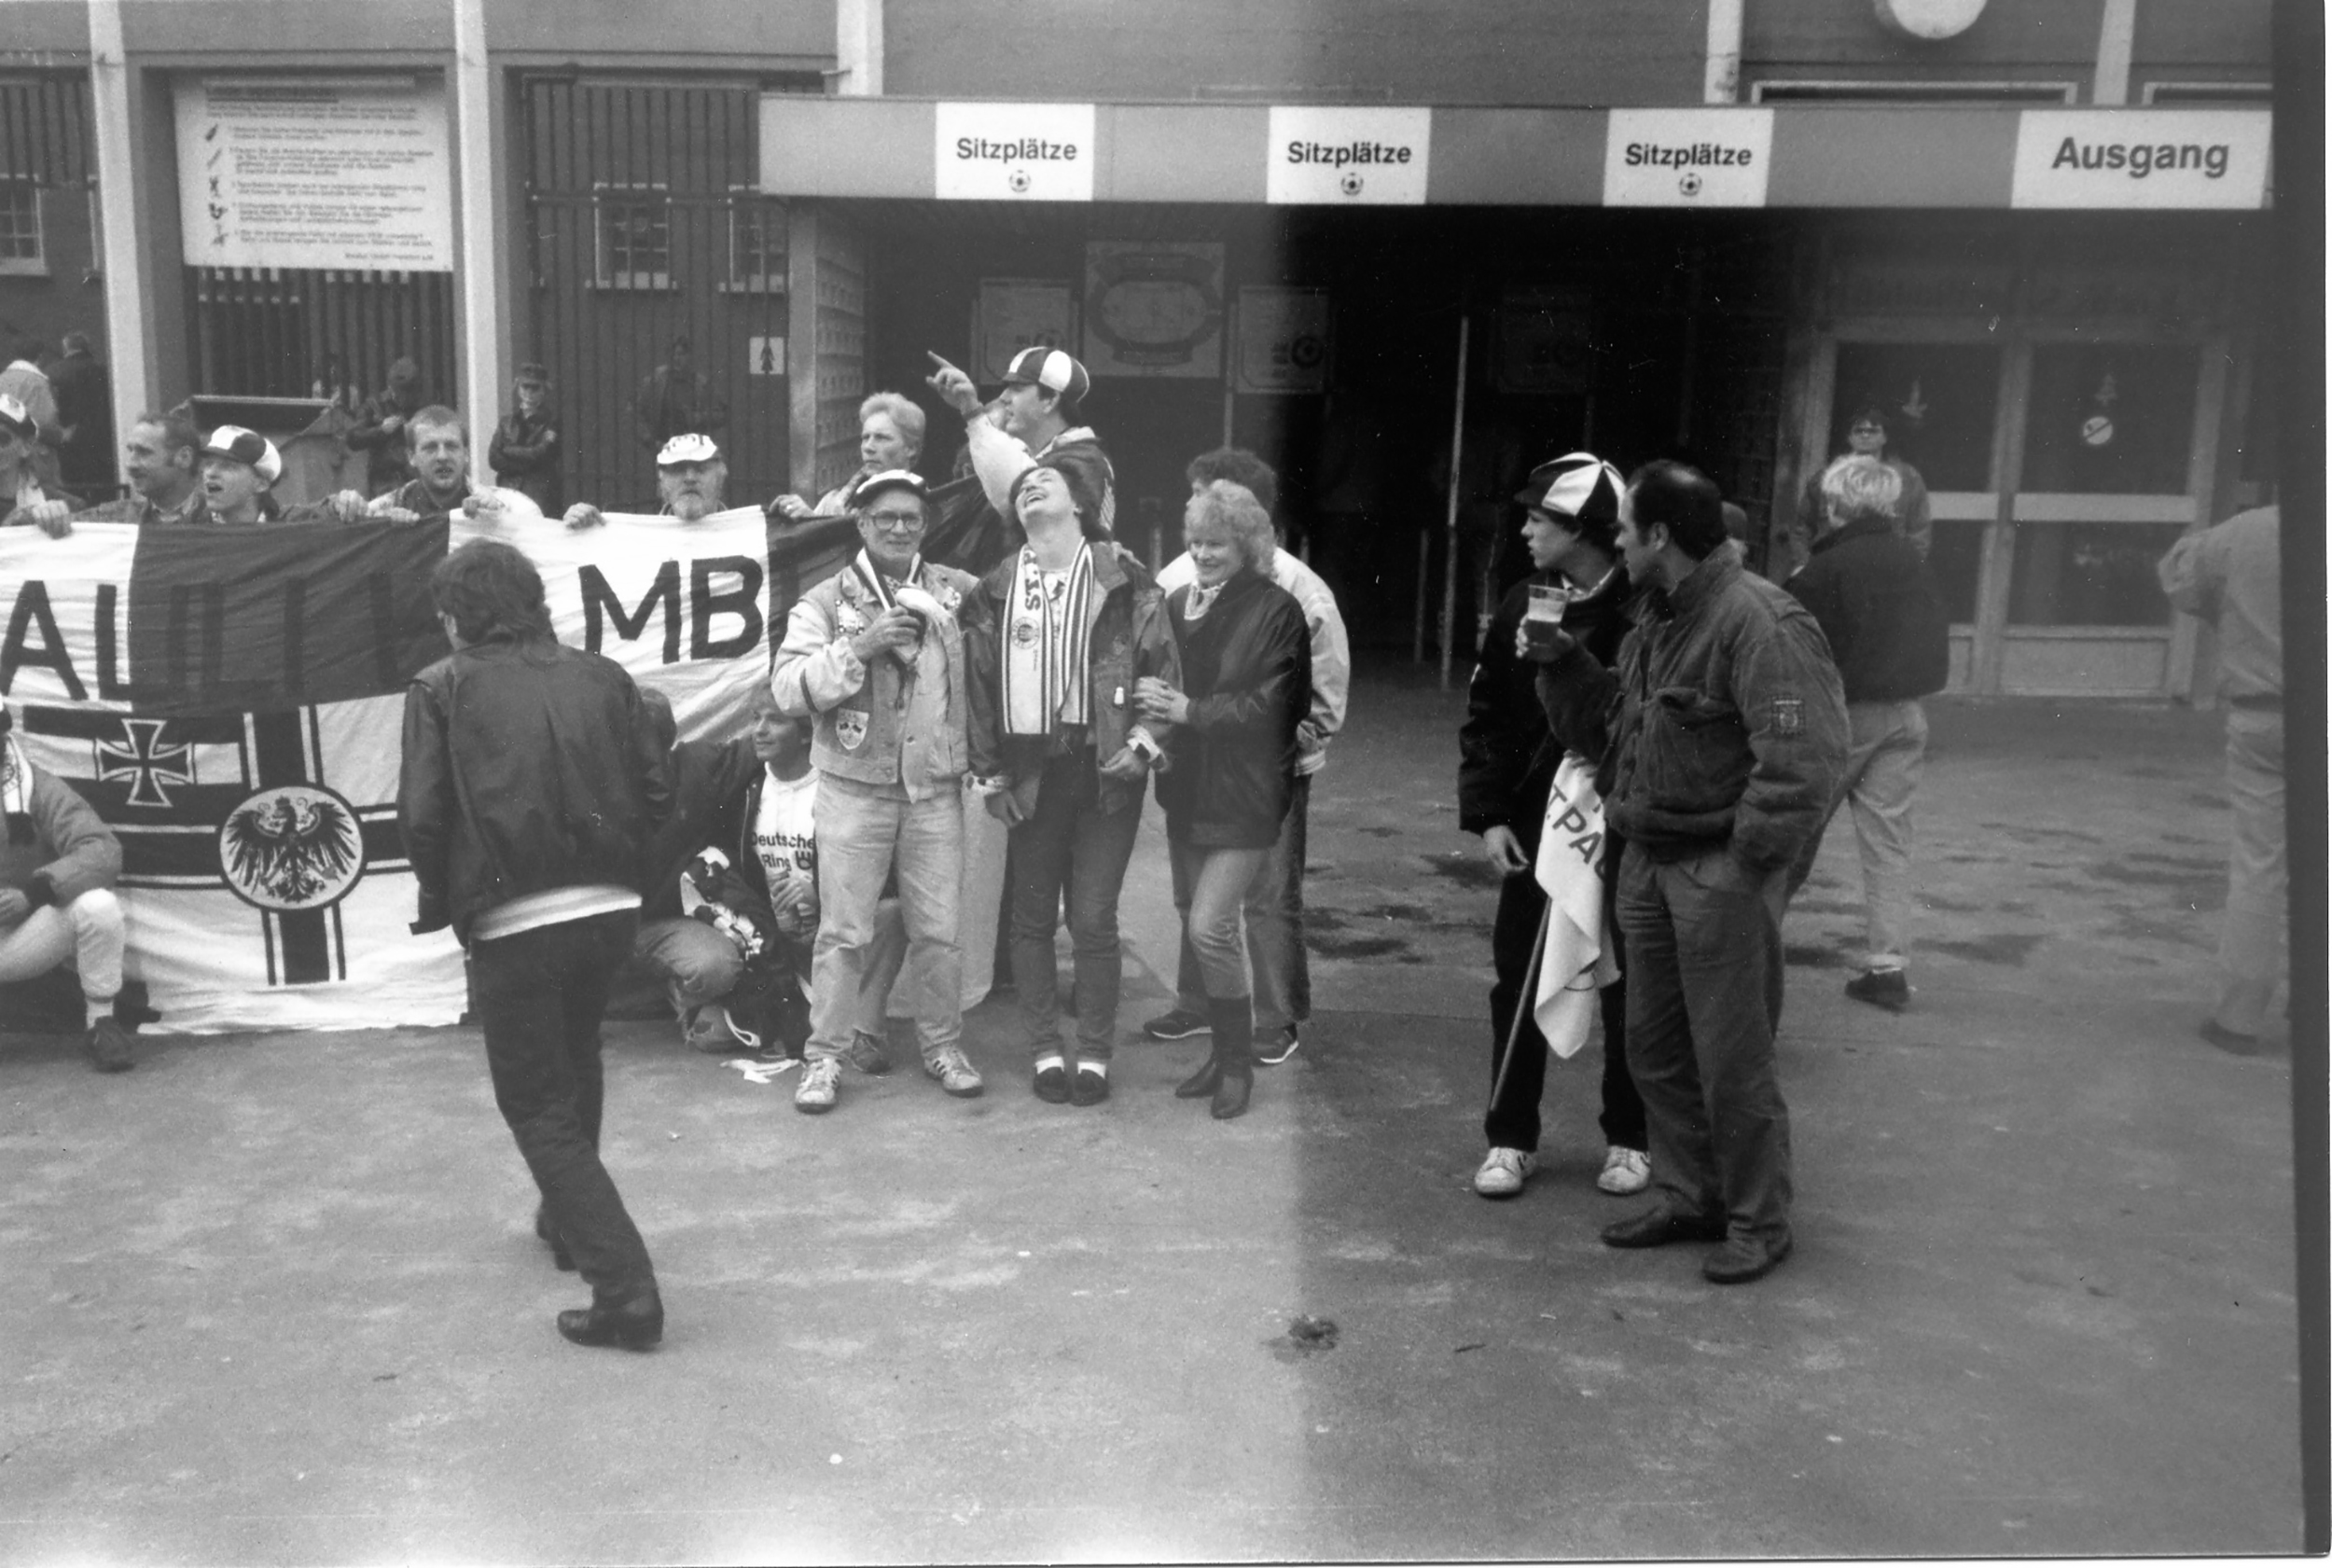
(784, 884)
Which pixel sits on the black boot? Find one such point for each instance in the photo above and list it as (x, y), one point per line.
(1234, 1018)
(633, 1323)
(1200, 1084)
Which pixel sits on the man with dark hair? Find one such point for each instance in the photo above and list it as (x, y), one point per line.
(160, 458)
(1871, 595)
(677, 400)
(1721, 733)
(379, 427)
(531, 781)
(1507, 767)
(1038, 416)
(1282, 972)
(436, 446)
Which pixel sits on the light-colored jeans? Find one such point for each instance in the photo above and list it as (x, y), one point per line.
(2252, 955)
(1275, 931)
(88, 932)
(698, 965)
(865, 833)
(1214, 884)
(1887, 753)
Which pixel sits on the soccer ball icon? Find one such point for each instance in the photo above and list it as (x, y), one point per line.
(1350, 183)
(1690, 184)
(1019, 182)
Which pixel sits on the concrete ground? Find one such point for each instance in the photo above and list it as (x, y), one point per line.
(275, 1299)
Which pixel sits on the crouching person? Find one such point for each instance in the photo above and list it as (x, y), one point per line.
(873, 655)
(58, 866)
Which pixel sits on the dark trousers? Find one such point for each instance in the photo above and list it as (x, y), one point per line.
(539, 995)
(1069, 840)
(1512, 1121)
(1704, 998)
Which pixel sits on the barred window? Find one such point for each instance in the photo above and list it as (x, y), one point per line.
(22, 248)
(756, 243)
(635, 236)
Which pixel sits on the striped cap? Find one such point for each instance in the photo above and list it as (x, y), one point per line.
(246, 447)
(1576, 484)
(1051, 369)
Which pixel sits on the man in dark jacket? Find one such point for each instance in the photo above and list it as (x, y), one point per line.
(531, 781)
(1871, 593)
(380, 428)
(1506, 765)
(1723, 734)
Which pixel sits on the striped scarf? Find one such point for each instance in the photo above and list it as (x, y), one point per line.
(1046, 650)
(16, 790)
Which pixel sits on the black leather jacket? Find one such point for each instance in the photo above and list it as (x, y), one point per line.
(527, 768)
(1246, 667)
(1506, 757)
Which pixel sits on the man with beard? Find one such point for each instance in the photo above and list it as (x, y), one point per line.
(1508, 765)
(691, 479)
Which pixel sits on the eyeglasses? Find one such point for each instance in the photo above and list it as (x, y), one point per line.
(897, 523)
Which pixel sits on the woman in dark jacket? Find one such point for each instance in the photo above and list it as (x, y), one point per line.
(1246, 669)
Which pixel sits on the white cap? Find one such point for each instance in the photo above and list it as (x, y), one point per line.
(690, 448)
(248, 447)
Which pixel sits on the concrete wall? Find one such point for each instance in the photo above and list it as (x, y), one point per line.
(1462, 51)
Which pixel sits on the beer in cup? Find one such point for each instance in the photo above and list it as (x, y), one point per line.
(1543, 617)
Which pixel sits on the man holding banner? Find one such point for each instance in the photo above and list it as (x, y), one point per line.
(874, 655)
(691, 478)
(532, 779)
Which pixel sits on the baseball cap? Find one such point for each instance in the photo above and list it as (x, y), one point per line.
(16, 420)
(688, 448)
(533, 374)
(1051, 369)
(889, 478)
(1576, 484)
(247, 447)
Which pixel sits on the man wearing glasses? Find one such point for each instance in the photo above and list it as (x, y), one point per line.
(873, 657)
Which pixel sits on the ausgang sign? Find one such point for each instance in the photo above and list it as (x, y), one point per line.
(2141, 157)
(1346, 158)
(1013, 152)
(1687, 158)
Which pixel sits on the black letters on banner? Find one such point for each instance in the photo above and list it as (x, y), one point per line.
(598, 596)
(741, 602)
(32, 605)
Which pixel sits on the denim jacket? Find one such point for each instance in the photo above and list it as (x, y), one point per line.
(883, 724)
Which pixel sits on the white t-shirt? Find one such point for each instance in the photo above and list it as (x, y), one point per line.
(784, 834)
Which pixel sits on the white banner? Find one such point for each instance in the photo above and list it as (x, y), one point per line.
(683, 606)
(1687, 158)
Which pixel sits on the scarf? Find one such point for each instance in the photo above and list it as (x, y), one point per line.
(16, 790)
(885, 589)
(1201, 599)
(1046, 647)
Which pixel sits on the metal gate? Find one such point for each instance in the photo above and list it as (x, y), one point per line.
(288, 332)
(644, 228)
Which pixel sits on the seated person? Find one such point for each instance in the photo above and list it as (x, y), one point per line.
(58, 866)
(731, 905)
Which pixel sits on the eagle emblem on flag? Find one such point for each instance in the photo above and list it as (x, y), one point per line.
(291, 848)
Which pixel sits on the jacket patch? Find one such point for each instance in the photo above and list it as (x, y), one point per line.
(1789, 716)
(850, 728)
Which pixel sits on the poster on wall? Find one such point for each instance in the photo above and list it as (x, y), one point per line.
(1283, 339)
(320, 173)
(1154, 309)
(1544, 341)
(1015, 313)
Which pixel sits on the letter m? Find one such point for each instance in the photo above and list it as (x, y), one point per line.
(600, 602)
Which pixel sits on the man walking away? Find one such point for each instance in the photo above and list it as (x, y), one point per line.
(531, 781)
(2232, 575)
(1723, 734)
(1871, 593)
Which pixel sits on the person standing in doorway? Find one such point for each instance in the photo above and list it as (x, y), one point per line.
(677, 400)
(1872, 597)
(531, 781)
(85, 418)
(380, 428)
(524, 452)
(2231, 577)
(1866, 437)
(1507, 767)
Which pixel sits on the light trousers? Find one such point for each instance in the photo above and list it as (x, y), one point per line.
(88, 931)
(866, 833)
(2252, 955)
(1886, 755)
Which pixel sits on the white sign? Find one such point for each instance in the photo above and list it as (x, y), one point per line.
(2141, 157)
(1687, 158)
(1013, 152)
(279, 171)
(1346, 156)
(1283, 339)
(765, 356)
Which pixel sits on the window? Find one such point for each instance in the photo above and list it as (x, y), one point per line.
(2260, 94)
(634, 236)
(22, 248)
(756, 243)
(1913, 92)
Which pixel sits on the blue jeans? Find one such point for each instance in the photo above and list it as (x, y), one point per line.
(866, 833)
(1275, 909)
(538, 995)
(1212, 886)
(1068, 839)
(1703, 936)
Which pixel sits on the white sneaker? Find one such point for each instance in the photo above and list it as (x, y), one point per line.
(815, 1094)
(1624, 1171)
(955, 1074)
(1503, 1171)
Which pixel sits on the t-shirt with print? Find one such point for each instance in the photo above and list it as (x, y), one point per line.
(784, 834)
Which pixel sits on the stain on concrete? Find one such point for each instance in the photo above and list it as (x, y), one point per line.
(2006, 949)
(2130, 923)
(2029, 832)
(1306, 1337)
(1809, 955)
(1469, 869)
(1353, 947)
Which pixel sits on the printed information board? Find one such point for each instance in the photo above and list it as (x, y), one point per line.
(276, 172)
